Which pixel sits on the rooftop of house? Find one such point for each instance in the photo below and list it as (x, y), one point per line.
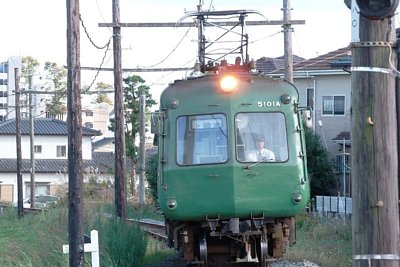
(102, 142)
(102, 162)
(42, 126)
(337, 59)
(342, 135)
(270, 64)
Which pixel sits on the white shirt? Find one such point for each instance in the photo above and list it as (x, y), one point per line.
(260, 155)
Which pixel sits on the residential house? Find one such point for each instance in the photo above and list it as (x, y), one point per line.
(51, 158)
(324, 84)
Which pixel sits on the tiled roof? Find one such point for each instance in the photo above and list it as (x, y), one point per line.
(42, 126)
(341, 136)
(269, 64)
(102, 162)
(335, 59)
(103, 142)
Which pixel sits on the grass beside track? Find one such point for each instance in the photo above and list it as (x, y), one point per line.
(324, 241)
(36, 240)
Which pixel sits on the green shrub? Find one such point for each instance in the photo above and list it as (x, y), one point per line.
(121, 243)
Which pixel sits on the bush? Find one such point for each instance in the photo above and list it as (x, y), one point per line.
(121, 243)
(320, 167)
(151, 175)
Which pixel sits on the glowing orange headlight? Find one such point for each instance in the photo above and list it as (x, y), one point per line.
(229, 83)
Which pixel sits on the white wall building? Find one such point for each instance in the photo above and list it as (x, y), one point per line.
(51, 163)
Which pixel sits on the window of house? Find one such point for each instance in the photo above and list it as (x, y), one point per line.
(61, 151)
(333, 105)
(3, 81)
(89, 113)
(38, 149)
(89, 124)
(3, 105)
(40, 189)
(3, 94)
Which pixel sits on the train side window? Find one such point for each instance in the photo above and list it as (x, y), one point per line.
(201, 139)
(261, 136)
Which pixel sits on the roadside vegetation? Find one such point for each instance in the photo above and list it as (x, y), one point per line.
(36, 240)
(324, 241)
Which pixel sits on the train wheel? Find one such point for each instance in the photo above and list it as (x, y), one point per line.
(203, 248)
(263, 252)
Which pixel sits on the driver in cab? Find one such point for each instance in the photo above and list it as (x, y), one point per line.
(260, 153)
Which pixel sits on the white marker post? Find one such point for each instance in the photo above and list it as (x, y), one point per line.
(92, 247)
(355, 22)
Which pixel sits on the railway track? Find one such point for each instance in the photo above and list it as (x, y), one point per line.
(154, 228)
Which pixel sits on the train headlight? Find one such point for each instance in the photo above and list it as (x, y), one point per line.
(229, 84)
(286, 98)
(296, 197)
(171, 203)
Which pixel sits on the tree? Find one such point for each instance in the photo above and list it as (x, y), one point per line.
(58, 75)
(151, 174)
(102, 89)
(133, 86)
(29, 63)
(320, 167)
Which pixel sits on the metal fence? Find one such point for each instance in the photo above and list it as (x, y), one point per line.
(335, 205)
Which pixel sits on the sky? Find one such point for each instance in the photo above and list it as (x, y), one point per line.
(38, 29)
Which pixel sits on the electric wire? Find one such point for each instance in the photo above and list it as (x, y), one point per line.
(173, 50)
(106, 47)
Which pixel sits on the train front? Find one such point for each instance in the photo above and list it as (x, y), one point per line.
(232, 171)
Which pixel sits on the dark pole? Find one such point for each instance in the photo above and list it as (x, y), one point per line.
(75, 169)
(375, 220)
(18, 141)
(120, 185)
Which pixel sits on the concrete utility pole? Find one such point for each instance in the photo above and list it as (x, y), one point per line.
(32, 142)
(18, 142)
(75, 164)
(287, 37)
(375, 220)
(142, 155)
(120, 161)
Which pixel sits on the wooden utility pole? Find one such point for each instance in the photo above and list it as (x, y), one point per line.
(120, 170)
(75, 165)
(18, 142)
(287, 37)
(375, 220)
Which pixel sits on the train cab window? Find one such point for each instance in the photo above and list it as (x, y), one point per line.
(202, 139)
(261, 137)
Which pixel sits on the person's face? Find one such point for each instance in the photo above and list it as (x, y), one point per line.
(260, 144)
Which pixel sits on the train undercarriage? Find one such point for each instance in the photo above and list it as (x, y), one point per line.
(254, 240)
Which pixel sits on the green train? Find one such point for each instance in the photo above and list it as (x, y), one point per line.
(232, 166)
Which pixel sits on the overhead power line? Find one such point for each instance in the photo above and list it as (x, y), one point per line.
(194, 24)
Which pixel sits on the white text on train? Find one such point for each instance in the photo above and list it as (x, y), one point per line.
(261, 104)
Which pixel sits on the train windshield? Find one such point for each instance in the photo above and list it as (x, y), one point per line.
(202, 139)
(261, 137)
